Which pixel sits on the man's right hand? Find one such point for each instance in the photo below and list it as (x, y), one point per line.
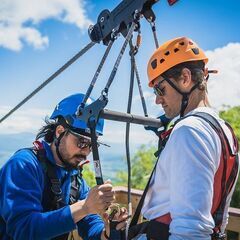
(98, 200)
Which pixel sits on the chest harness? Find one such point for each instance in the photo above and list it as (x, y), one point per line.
(53, 198)
(224, 180)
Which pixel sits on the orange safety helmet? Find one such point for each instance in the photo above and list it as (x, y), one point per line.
(171, 53)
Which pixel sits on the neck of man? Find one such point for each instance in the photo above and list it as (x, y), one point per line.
(197, 99)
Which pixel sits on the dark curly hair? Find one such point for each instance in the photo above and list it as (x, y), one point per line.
(47, 132)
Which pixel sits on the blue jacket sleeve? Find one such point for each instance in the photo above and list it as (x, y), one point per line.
(22, 183)
(90, 227)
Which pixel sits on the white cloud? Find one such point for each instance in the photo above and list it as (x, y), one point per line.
(150, 98)
(29, 120)
(19, 20)
(148, 95)
(224, 87)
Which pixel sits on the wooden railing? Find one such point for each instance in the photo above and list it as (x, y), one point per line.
(121, 197)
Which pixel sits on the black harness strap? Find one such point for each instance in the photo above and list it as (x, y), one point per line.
(135, 229)
(54, 190)
(55, 182)
(140, 204)
(96, 159)
(75, 188)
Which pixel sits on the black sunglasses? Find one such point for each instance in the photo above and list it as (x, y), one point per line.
(157, 90)
(83, 141)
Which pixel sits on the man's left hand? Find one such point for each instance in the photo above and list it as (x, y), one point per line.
(121, 217)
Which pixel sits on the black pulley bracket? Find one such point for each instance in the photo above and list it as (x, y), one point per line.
(119, 19)
(92, 110)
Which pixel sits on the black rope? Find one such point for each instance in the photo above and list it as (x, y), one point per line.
(60, 70)
(134, 50)
(96, 159)
(97, 74)
(140, 88)
(153, 26)
(114, 71)
(128, 130)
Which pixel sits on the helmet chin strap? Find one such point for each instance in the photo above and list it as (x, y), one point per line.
(57, 143)
(185, 95)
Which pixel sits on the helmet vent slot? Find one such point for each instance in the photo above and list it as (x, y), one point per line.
(167, 53)
(195, 51)
(162, 60)
(176, 50)
(181, 43)
(154, 63)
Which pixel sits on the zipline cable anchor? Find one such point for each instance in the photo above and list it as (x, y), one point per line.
(119, 19)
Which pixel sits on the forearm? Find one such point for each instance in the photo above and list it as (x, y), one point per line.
(79, 210)
(41, 225)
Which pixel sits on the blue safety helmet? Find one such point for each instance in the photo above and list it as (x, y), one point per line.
(67, 109)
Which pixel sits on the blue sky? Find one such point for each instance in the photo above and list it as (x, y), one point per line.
(37, 37)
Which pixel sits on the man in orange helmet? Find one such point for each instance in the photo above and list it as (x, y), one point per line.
(189, 192)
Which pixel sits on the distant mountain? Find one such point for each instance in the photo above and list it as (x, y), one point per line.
(9, 143)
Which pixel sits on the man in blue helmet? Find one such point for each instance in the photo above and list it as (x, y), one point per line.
(42, 192)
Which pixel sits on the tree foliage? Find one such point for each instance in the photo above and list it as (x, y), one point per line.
(232, 116)
(142, 165)
(89, 176)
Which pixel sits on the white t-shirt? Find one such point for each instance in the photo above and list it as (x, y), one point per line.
(182, 184)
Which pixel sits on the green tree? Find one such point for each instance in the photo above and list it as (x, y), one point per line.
(232, 116)
(142, 165)
(89, 176)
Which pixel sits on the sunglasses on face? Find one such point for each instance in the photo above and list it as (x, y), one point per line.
(158, 91)
(82, 141)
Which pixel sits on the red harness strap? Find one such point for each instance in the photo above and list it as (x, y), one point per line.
(224, 179)
(38, 145)
(221, 189)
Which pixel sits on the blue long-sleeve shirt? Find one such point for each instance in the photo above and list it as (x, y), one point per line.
(22, 216)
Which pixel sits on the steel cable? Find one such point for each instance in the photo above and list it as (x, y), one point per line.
(53, 76)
